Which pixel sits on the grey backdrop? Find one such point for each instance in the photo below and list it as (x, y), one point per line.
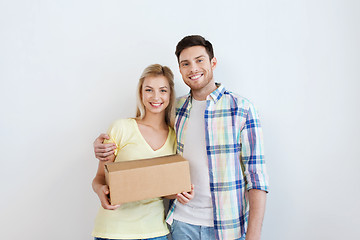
(70, 68)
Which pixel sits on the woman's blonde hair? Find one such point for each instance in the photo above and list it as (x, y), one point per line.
(155, 70)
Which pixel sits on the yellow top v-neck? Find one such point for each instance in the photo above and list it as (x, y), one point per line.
(141, 219)
(146, 143)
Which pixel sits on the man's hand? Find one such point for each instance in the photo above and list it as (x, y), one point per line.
(185, 197)
(103, 193)
(103, 151)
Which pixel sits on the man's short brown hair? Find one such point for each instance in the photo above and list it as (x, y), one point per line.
(194, 40)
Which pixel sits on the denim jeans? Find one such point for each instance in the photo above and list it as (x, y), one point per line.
(156, 238)
(185, 231)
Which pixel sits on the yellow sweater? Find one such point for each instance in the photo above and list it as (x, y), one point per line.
(141, 219)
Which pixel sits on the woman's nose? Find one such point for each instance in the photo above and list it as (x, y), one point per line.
(156, 95)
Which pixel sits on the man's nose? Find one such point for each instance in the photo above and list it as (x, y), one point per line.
(194, 68)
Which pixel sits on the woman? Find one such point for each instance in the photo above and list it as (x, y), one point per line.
(148, 135)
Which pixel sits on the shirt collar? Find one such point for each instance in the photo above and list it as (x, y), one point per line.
(215, 95)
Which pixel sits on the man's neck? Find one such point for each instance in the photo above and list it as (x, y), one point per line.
(201, 94)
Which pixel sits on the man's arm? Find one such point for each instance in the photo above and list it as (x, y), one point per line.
(102, 151)
(183, 197)
(257, 201)
(252, 155)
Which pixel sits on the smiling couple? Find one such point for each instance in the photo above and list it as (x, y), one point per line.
(217, 131)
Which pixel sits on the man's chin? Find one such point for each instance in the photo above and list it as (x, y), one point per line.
(194, 86)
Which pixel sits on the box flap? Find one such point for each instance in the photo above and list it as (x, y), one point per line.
(126, 165)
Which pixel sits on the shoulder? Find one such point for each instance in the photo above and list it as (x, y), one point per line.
(123, 123)
(238, 100)
(181, 100)
(172, 132)
(120, 131)
(237, 103)
(172, 139)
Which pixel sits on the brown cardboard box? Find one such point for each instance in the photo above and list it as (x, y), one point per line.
(147, 178)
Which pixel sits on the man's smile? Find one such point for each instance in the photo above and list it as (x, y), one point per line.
(196, 76)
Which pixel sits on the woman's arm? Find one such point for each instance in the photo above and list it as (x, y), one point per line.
(100, 188)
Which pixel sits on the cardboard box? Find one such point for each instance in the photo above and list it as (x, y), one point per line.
(147, 178)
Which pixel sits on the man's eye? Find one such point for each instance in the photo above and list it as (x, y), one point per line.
(185, 64)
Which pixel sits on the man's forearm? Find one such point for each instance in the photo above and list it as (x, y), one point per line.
(257, 200)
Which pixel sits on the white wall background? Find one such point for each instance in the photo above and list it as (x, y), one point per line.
(70, 68)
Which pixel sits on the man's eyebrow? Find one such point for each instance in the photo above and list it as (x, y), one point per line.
(201, 56)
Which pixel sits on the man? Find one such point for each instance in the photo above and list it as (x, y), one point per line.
(219, 133)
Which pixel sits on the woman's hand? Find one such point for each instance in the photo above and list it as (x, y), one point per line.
(103, 193)
(185, 197)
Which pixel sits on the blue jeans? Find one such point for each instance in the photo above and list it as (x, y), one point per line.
(185, 231)
(156, 238)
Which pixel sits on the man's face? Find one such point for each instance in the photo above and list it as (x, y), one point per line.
(196, 68)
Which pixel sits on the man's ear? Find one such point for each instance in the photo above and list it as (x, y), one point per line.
(213, 63)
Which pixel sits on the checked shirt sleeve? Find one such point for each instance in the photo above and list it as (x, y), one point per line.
(252, 152)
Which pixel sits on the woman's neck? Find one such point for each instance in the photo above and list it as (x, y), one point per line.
(156, 121)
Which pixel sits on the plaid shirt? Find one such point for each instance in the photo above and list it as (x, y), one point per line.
(234, 147)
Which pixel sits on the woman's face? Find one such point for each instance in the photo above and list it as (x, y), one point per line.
(155, 94)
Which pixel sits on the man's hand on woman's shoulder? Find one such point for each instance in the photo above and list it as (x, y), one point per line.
(102, 151)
